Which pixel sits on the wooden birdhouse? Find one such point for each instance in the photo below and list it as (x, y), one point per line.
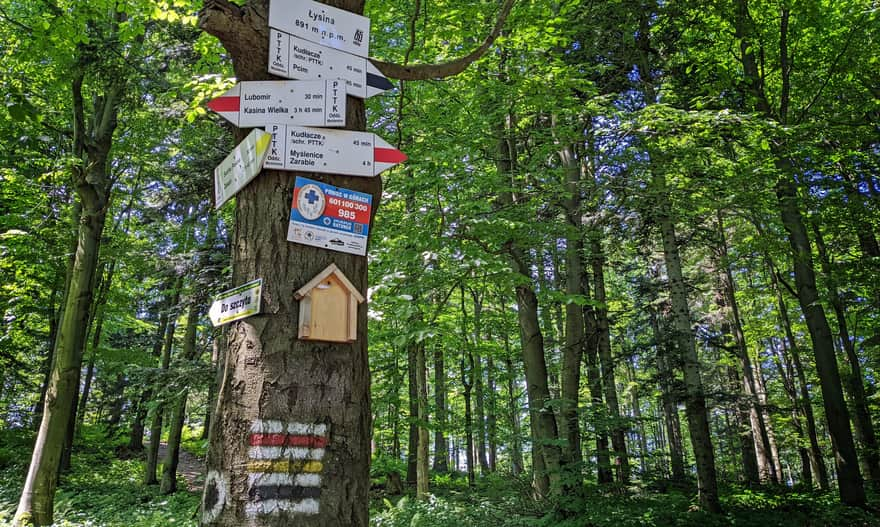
(328, 307)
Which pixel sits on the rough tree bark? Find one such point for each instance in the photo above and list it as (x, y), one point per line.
(272, 380)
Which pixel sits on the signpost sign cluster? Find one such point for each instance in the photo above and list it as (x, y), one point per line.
(324, 51)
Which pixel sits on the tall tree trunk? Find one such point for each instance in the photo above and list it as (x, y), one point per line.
(604, 473)
(761, 392)
(817, 460)
(151, 463)
(726, 300)
(637, 414)
(669, 397)
(422, 474)
(217, 360)
(412, 445)
(492, 414)
(466, 365)
(545, 450)
(683, 340)
(854, 381)
(189, 352)
(851, 486)
(93, 184)
(786, 373)
(441, 445)
(58, 311)
(575, 339)
(751, 446)
(606, 363)
(852, 491)
(516, 459)
(277, 382)
(479, 390)
(544, 431)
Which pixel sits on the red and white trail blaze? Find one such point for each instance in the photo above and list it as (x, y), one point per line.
(284, 467)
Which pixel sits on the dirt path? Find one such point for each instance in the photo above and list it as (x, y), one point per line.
(190, 467)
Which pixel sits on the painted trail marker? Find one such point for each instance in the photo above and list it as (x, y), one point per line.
(322, 24)
(238, 303)
(260, 103)
(330, 151)
(295, 58)
(329, 217)
(241, 166)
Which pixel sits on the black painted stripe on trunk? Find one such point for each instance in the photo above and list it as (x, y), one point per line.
(378, 82)
(283, 492)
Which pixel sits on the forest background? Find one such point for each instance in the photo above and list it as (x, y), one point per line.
(628, 276)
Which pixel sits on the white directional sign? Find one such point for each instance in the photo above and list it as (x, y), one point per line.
(240, 166)
(295, 58)
(330, 151)
(320, 23)
(305, 103)
(238, 303)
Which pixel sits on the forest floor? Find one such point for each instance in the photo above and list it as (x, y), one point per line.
(104, 489)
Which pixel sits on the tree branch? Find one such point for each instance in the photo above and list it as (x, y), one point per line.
(421, 72)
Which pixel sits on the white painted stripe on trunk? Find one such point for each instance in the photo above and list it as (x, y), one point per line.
(271, 478)
(306, 429)
(306, 506)
(268, 426)
(283, 452)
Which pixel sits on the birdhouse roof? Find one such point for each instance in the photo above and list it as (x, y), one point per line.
(323, 275)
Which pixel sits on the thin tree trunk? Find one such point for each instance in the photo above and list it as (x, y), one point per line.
(757, 463)
(606, 363)
(151, 463)
(479, 390)
(818, 461)
(492, 414)
(786, 373)
(441, 445)
(545, 451)
(466, 365)
(669, 398)
(761, 392)
(422, 474)
(516, 459)
(413, 437)
(189, 352)
(637, 415)
(683, 339)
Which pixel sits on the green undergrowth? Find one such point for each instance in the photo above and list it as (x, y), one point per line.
(100, 490)
(504, 502)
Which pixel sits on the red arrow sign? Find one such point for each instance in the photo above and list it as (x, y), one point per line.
(261, 103)
(330, 151)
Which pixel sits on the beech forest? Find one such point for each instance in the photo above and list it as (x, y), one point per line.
(439, 263)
